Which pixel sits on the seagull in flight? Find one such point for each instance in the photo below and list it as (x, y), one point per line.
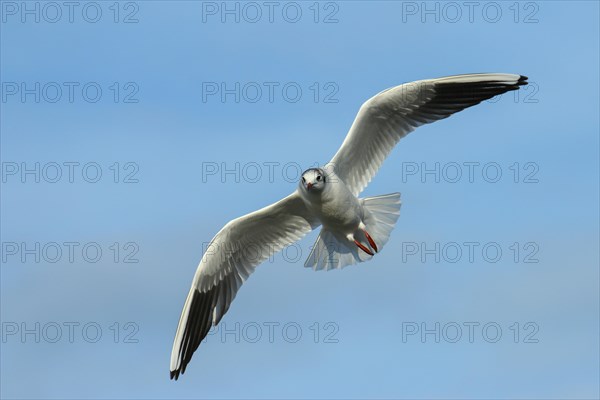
(353, 229)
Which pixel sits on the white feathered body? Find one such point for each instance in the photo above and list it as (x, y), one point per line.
(335, 206)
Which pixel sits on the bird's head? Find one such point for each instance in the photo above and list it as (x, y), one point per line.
(313, 180)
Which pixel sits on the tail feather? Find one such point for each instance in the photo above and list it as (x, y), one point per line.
(330, 251)
(381, 214)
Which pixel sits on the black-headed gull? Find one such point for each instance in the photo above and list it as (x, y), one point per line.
(354, 229)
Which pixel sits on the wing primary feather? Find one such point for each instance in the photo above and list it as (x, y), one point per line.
(224, 268)
(397, 111)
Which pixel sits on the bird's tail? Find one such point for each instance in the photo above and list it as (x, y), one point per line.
(330, 251)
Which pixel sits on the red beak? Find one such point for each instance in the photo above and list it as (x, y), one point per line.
(308, 186)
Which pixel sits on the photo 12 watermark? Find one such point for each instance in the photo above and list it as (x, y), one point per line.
(485, 252)
(89, 92)
(270, 92)
(69, 12)
(71, 172)
(69, 332)
(452, 12)
(274, 331)
(470, 332)
(70, 252)
(470, 172)
(270, 12)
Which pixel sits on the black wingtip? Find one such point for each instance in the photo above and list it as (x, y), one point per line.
(174, 374)
(522, 80)
(199, 322)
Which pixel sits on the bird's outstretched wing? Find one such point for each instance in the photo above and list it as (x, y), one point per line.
(392, 114)
(230, 258)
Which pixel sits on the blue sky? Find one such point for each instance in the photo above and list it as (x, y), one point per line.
(141, 102)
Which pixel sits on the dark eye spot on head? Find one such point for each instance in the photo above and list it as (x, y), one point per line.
(318, 177)
(303, 180)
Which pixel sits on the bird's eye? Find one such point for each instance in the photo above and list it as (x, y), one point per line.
(318, 177)
(303, 180)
